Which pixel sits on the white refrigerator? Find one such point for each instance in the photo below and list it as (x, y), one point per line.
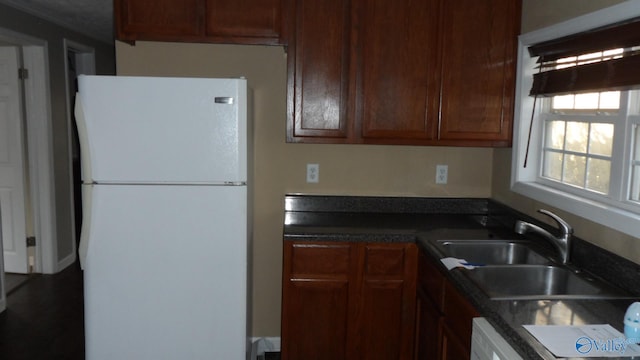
(166, 232)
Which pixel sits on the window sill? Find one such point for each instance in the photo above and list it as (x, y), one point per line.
(603, 214)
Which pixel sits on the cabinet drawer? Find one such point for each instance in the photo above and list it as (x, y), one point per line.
(384, 260)
(320, 259)
(431, 281)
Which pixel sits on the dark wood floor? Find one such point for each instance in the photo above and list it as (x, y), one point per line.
(14, 281)
(44, 318)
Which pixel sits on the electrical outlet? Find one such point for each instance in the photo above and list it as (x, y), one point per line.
(442, 173)
(313, 173)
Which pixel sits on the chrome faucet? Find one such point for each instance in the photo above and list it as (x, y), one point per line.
(562, 243)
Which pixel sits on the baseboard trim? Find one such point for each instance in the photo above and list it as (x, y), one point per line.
(273, 343)
(66, 262)
(261, 344)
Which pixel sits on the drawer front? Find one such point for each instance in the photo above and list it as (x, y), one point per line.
(320, 259)
(384, 260)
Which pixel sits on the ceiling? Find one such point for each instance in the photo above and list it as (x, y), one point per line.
(91, 17)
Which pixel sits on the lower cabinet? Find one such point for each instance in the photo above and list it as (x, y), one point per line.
(347, 300)
(427, 325)
(444, 316)
(452, 346)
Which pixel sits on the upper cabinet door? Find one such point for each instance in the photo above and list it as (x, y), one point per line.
(212, 21)
(429, 72)
(247, 21)
(158, 19)
(318, 71)
(397, 89)
(478, 68)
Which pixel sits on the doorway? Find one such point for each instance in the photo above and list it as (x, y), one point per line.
(14, 175)
(37, 160)
(16, 224)
(33, 128)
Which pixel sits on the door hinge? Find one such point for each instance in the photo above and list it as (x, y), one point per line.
(31, 241)
(23, 73)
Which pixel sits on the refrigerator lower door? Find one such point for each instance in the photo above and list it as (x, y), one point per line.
(166, 273)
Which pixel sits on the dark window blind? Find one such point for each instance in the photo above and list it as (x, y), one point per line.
(621, 72)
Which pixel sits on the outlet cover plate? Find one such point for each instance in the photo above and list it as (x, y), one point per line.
(442, 174)
(313, 173)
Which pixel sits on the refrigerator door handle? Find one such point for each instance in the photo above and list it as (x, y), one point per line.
(223, 100)
(83, 139)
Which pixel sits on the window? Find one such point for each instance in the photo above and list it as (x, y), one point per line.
(577, 128)
(577, 145)
(578, 153)
(578, 131)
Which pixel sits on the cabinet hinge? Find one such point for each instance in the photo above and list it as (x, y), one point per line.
(31, 241)
(23, 73)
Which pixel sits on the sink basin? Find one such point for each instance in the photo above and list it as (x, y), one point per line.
(493, 252)
(526, 282)
(519, 270)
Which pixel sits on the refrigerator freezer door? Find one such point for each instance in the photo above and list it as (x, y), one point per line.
(166, 273)
(162, 130)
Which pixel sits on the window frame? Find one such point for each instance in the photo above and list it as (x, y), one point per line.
(614, 159)
(617, 213)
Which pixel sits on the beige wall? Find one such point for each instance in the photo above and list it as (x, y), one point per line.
(537, 14)
(280, 167)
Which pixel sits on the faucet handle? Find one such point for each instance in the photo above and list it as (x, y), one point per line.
(564, 226)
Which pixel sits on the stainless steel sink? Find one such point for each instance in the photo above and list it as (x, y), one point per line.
(520, 270)
(494, 252)
(527, 282)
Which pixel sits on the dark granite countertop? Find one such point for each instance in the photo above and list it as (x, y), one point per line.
(421, 220)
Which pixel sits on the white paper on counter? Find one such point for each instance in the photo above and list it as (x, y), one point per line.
(451, 263)
(583, 341)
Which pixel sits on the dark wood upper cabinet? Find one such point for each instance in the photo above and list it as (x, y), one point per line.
(167, 19)
(246, 21)
(212, 21)
(478, 61)
(318, 68)
(433, 72)
(396, 91)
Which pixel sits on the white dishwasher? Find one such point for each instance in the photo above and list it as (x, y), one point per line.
(487, 344)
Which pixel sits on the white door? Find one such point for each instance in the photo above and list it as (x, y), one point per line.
(12, 179)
